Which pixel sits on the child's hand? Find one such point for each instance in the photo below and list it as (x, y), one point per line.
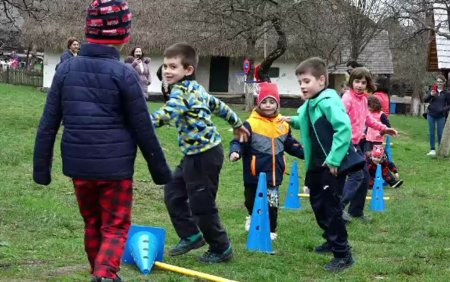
(241, 133)
(333, 169)
(234, 156)
(285, 118)
(390, 131)
(397, 175)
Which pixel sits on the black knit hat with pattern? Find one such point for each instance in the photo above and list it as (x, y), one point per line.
(108, 22)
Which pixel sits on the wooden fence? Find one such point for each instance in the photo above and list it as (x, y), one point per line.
(22, 77)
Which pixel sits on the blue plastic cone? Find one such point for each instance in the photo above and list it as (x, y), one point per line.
(377, 202)
(145, 245)
(292, 198)
(388, 149)
(259, 235)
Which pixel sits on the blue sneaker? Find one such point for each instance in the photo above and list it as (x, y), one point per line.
(185, 245)
(213, 257)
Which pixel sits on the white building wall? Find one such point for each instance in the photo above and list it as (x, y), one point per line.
(203, 71)
(52, 59)
(287, 82)
(50, 62)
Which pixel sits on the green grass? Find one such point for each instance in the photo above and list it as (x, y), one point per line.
(41, 231)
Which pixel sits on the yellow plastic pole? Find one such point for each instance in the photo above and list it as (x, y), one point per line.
(190, 272)
(367, 198)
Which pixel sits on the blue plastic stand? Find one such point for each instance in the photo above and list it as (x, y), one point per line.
(292, 199)
(259, 235)
(144, 246)
(377, 202)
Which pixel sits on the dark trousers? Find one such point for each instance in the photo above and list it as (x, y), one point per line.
(355, 190)
(106, 210)
(324, 197)
(191, 198)
(272, 194)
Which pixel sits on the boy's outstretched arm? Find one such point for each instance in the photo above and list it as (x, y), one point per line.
(222, 110)
(171, 111)
(141, 126)
(237, 149)
(294, 121)
(293, 147)
(46, 134)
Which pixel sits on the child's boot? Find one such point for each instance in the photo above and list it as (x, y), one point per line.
(339, 264)
(185, 245)
(397, 183)
(323, 249)
(214, 257)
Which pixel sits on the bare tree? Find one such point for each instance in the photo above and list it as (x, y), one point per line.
(12, 15)
(419, 14)
(427, 18)
(363, 19)
(246, 21)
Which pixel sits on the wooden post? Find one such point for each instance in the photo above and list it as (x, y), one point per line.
(444, 147)
(7, 74)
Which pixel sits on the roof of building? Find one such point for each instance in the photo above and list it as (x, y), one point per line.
(377, 56)
(439, 49)
(154, 33)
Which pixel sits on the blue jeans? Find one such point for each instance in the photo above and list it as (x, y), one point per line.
(355, 190)
(432, 122)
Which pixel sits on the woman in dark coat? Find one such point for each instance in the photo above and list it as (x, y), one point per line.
(439, 105)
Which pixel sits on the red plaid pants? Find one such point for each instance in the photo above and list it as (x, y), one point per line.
(106, 210)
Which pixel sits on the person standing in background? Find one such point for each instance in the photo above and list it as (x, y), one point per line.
(73, 47)
(141, 65)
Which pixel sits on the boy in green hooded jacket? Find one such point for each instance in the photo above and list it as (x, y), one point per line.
(326, 136)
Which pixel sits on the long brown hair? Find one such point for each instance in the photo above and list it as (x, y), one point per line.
(362, 72)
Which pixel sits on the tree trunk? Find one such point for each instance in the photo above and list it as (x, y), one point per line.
(27, 61)
(275, 54)
(444, 147)
(415, 100)
(251, 52)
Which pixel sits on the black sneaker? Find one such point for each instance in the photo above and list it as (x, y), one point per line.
(185, 245)
(103, 279)
(339, 264)
(213, 257)
(397, 184)
(323, 249)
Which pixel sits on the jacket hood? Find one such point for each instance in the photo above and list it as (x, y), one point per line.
(324, 94)
(257, 114)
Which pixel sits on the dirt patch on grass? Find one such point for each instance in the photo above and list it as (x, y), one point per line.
(69, 269)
